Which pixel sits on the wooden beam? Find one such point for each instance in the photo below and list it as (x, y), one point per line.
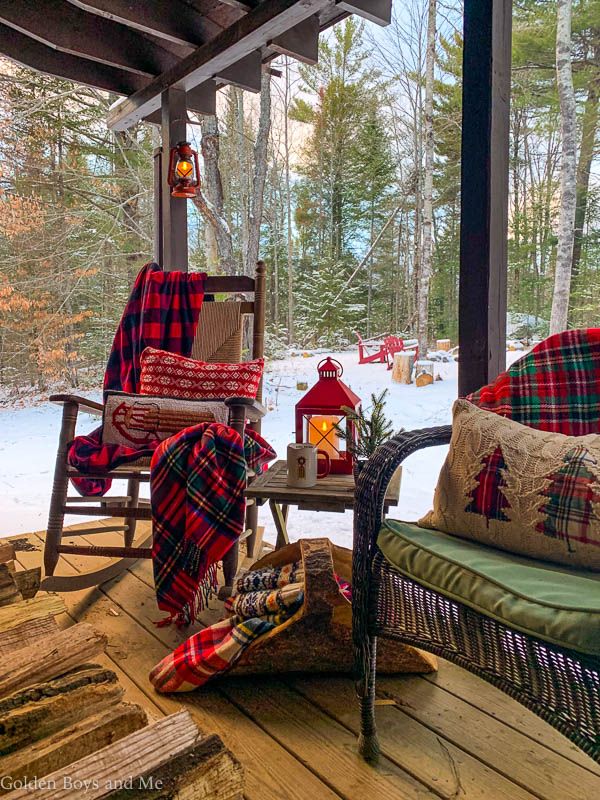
(26, 51)
(301, 42)
(246, 73)
(175, 20)
(201, 100)
(484, 192)
(378, 11)
(158, 198)
(61, 25)
(174, 209)
(269, 20)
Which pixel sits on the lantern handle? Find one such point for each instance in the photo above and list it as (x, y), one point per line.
(333, 361)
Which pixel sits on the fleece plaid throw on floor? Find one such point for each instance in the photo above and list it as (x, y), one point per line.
(162, 312)
(555, 387)
(216, 649)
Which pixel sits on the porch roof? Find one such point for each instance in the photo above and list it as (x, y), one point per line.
(140, 49)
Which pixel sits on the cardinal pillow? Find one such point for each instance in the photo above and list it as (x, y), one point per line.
(171, 375)
(527, 491)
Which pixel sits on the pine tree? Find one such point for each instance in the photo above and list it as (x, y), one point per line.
(487, 498)
(569, 511)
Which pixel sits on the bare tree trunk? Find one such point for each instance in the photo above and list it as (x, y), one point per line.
(589, 128)
(568, 170)
(209, 199)
(255, 206)
(288, 204)
(427, 254)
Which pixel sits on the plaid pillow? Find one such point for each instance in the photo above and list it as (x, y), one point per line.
(171, 375)
(531, 492)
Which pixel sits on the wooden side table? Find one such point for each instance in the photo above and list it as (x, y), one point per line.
(334, 493)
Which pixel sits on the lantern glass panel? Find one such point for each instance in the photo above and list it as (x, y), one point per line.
(320, 431)
(184, 168)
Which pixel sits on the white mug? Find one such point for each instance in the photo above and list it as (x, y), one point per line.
(303, 465)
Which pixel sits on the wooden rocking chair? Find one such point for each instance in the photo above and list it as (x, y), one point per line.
(216, 341)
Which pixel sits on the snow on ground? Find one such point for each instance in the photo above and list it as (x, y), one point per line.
(28, 439)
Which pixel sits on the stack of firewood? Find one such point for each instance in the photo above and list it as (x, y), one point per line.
(64, 727)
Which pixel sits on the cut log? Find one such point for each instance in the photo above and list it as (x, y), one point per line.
(7, 552)
(26, 633)
(9, 593)
(42, 605)
(402, 369)
(424, 372)
(38, 711)
(51, 656)
(443, 344)
(424, 379)
(62, 749)
(28, 581)
(170, 758)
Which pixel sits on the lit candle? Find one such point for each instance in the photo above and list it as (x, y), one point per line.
(322, 434)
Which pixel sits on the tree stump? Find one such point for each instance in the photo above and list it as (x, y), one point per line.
(424, 373)
(402, 367)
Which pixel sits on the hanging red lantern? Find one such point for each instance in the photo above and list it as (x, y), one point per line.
(184, 172)
(321, 409)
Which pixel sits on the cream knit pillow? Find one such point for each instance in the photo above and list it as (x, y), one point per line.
(528, 491)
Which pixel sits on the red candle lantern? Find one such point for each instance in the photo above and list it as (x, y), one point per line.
(321, 408)
(184, 172)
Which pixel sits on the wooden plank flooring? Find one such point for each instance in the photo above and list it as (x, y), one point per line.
(447, 735)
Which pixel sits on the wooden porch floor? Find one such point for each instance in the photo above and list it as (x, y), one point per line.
(448, 735)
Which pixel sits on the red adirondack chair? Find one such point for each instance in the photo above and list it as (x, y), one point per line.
(396, 344)
(371, 350)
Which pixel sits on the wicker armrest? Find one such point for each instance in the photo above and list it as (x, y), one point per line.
(252, 409)
(91, 406)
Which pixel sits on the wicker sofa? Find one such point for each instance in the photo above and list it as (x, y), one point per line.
(531, 629)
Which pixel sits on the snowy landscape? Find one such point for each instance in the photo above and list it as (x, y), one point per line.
(29, 435)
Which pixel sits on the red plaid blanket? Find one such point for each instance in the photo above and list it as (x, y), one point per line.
(197, 483)
(555, 387)
(162, 312)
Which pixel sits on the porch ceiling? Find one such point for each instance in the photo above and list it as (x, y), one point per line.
(140, 49)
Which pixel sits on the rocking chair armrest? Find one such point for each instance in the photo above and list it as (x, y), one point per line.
(91, 406)
(371, 488)
(253, 410)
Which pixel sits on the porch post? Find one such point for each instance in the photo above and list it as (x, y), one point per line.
(484, 192)
(158, 217)
(173, 209)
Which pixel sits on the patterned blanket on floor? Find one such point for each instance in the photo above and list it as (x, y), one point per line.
(162, 312)
(197, 482)
(555, 387)
(264, 599)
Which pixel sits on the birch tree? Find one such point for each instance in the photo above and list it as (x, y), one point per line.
(568, 169)
(427, 231)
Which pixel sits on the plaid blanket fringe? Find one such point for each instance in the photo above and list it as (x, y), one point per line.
(555, 387)
(215, 650)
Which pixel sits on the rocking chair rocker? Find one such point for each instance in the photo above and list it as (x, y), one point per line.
(215, 342)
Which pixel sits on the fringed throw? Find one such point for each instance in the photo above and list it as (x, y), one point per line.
(197, 482)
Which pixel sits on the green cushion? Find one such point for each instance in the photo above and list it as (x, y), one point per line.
(555, 603)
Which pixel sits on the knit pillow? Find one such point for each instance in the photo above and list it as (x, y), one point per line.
(134, 420)
(171, 375)
(520, 489)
